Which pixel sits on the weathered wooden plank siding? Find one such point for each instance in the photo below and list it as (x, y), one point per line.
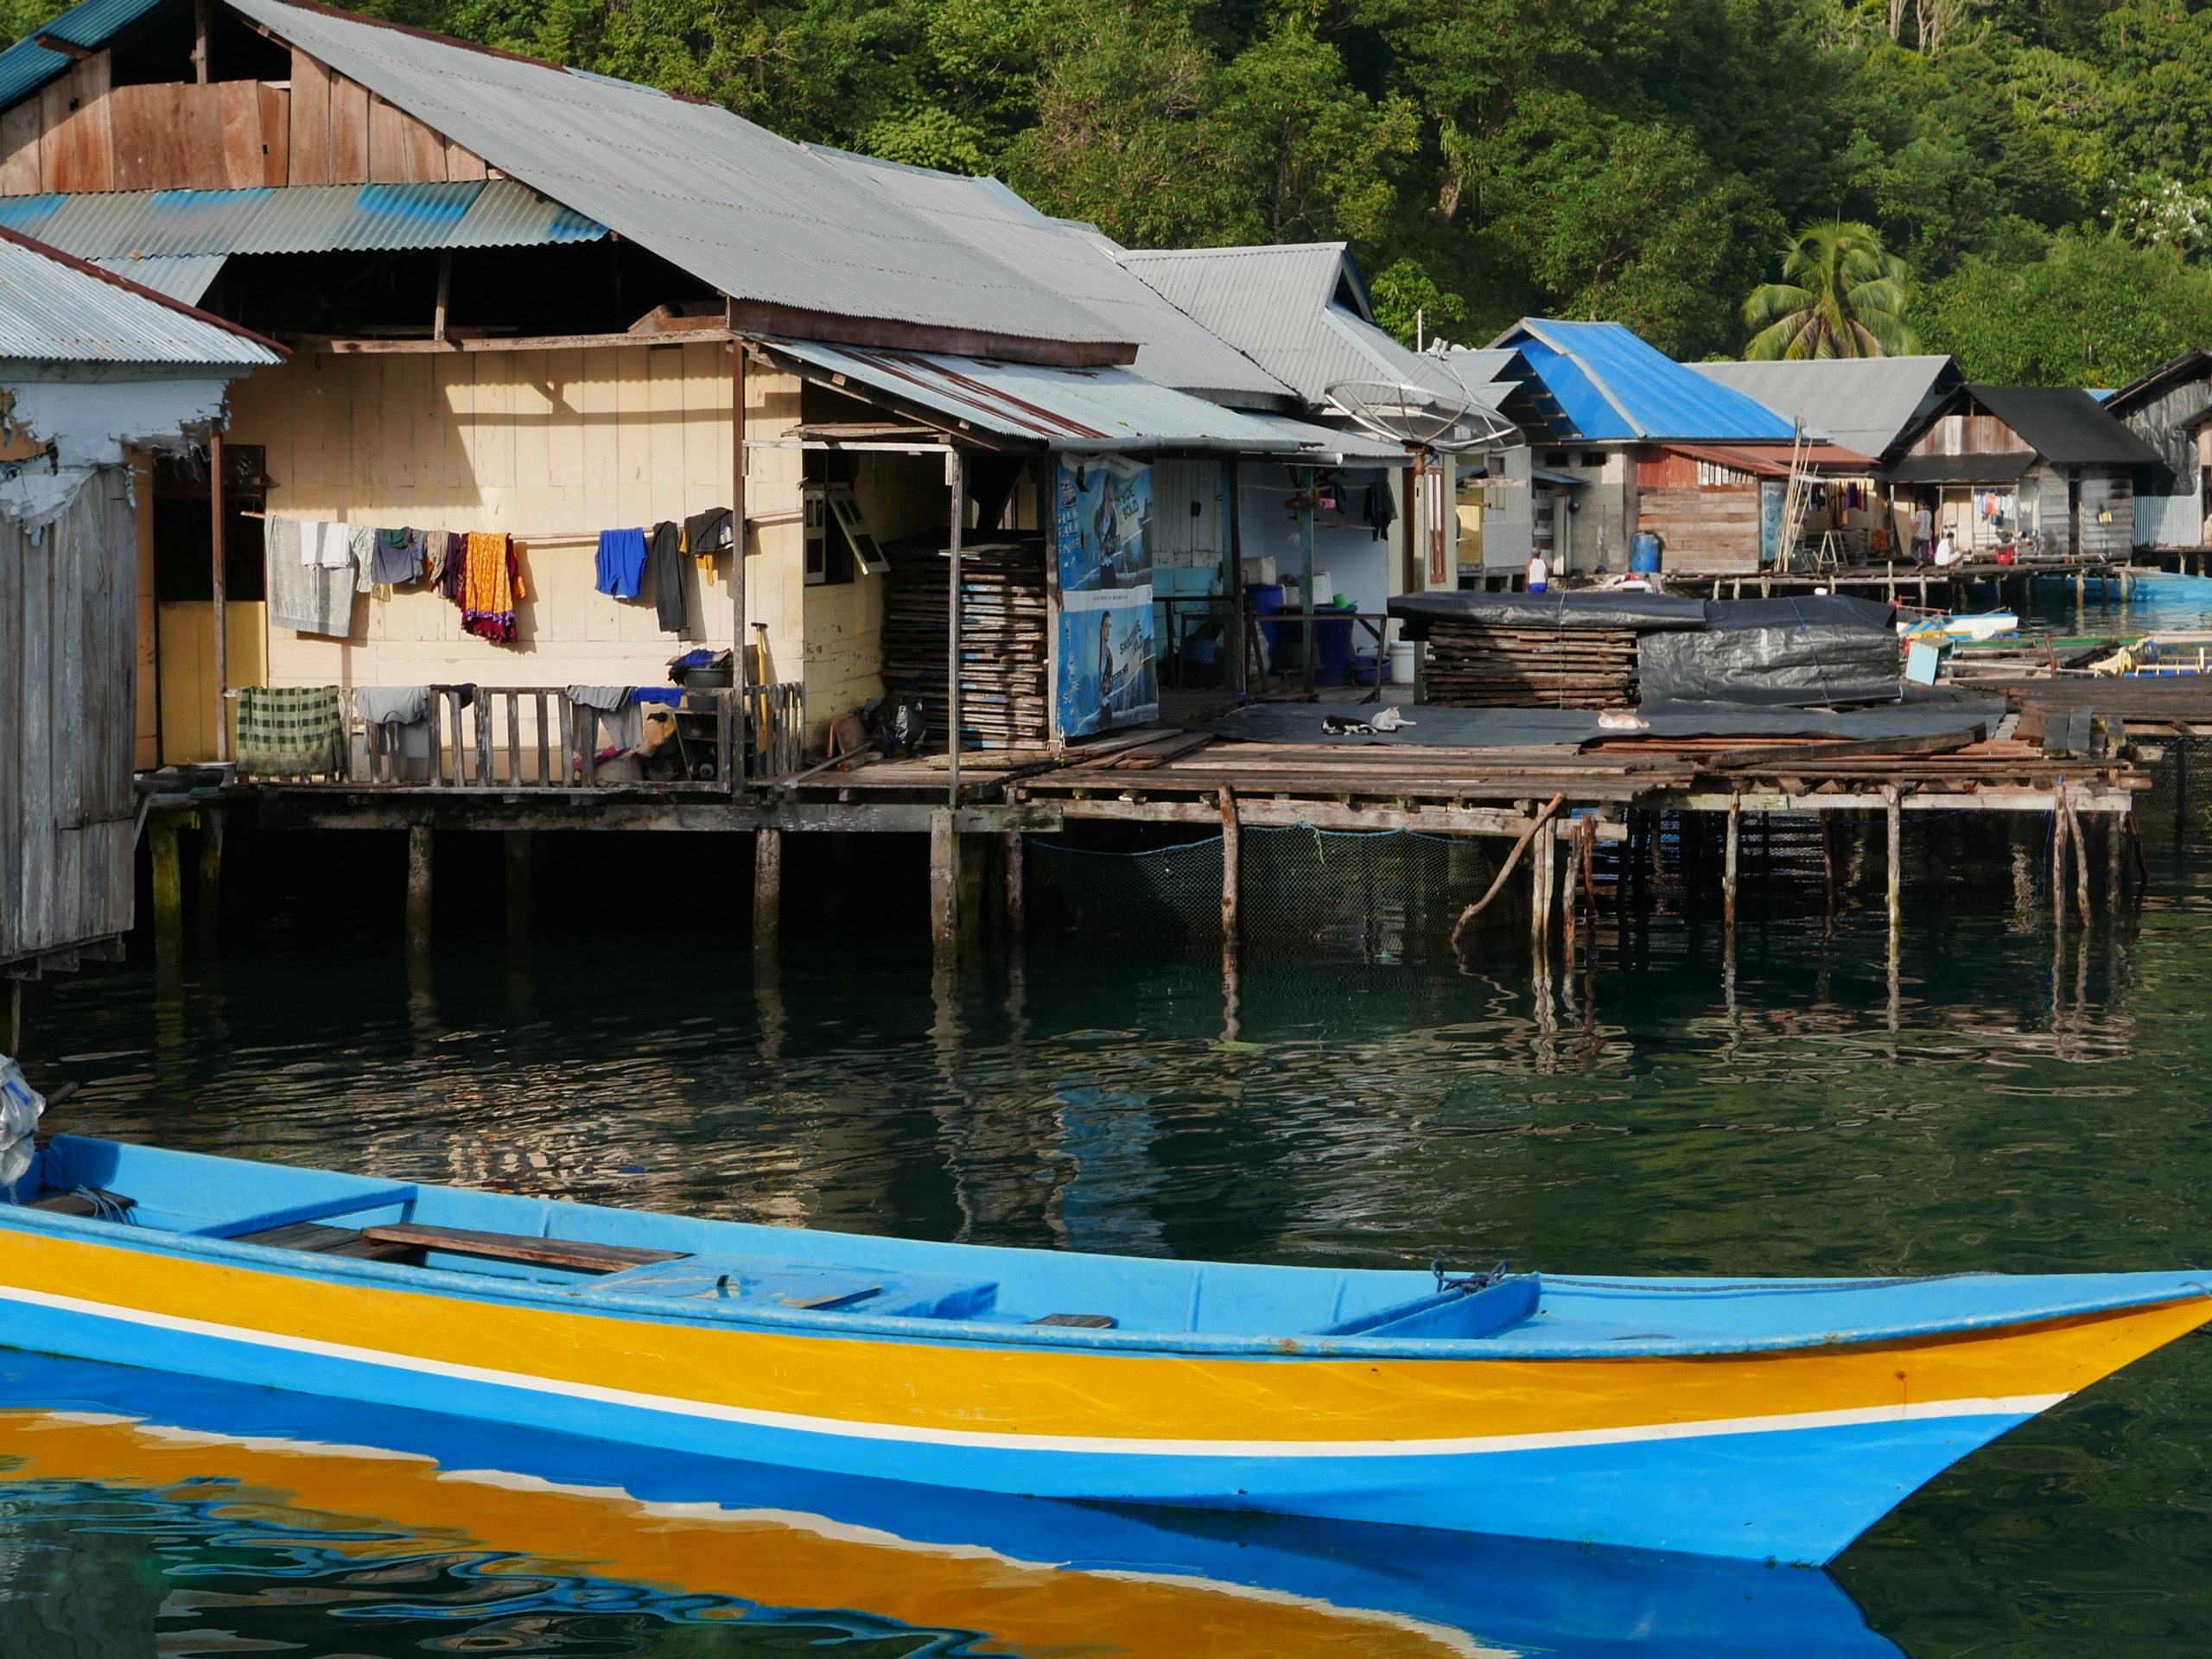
(79, 134)
(68, 665)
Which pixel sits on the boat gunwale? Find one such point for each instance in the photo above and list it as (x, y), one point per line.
(972, 1334)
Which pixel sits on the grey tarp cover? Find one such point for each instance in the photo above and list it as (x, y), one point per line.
(1537, 728)
(1788, 652)
(1583, 608)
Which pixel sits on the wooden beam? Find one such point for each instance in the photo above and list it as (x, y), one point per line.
(521, 1247)
(1812, 754)
(955, 476)
(760, 317)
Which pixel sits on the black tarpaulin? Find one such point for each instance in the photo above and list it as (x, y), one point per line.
(1789, 666)
(1582, 608)
(1569, 728)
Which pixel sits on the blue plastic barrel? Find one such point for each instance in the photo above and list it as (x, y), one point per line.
(1267, 601)
(1332, 650)
(1643, 553)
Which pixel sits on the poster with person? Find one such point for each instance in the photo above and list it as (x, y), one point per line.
(1104, 525)
(1107, 676)
(1103, 672)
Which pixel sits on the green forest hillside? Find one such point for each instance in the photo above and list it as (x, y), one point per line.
(2039, 165)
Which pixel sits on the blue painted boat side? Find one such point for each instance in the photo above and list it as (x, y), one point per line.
(1574, 1601)
(1793, 1495)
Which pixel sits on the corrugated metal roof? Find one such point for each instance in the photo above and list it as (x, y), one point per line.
(52, 312)
(1612, 384)
(2066, 425)
(1075, 260)
(183, 276)
(1773, 460)
(309, 219)
(759, 218)
(1280, 306)
(1866, 403)
(27, 66)
(1084, 411)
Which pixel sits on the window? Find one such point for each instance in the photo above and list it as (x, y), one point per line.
(1594, 458)
(1559, 458)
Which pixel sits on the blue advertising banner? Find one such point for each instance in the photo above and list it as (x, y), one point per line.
(1104, 675)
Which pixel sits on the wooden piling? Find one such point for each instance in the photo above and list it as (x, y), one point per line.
(2115, 877)
(2081, 858)
(169, 881)
(1729, 853)
(768, 890)
(211, 876)
(1895, 813)
(515, 850)
(1232, 868)
(1827, 860)
(419, 849)
(2057, 868)
(11, 1020)
(1017, 919)
(944, 881)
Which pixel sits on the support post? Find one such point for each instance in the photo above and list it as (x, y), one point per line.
(11, 1020)
(1566, 906)
(515, 848)
(945, 881)
(1539, 891)
(955, 476)
(740, 748)
(1729, 855)
(2057, 867)
(1016, 890)
(1306, 568)
(2081, 858)
(168, 882)
(1895, 813)
(767, 890)
(219, 608)
(1232, 868)
(1827, 860)
(200, 9)
(2115, 877)
(419, 845)
(445, 295)
(1233, 539)
(211, 876)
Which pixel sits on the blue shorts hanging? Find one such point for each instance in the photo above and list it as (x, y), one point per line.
(621, 563)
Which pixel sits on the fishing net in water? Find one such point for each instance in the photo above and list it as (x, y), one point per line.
(1367, 892)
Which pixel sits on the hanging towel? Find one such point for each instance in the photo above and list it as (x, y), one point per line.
(491, 588)
(396, 556)
(621, 563)
(389, 705)
(434, 542)
(307, 598)
(361, 544)
(608, 705)
(287, 731)
(671, 591)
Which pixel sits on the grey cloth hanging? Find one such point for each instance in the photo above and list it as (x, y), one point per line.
(306, 598)
(671, 597)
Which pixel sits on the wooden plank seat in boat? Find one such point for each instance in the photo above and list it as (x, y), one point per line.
(85, 1201)
(570, 1253)
(321, 1240)
(738, 1282)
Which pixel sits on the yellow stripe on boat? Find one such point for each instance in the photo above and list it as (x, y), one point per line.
(1107, 1401)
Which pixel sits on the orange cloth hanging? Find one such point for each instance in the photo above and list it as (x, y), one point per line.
(491, 588)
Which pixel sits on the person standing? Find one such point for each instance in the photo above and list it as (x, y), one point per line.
(1538, 573)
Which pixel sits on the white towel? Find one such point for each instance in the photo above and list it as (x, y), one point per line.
(327, 544)
(302, 595)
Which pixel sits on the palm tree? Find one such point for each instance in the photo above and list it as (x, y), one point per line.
(1842, 294)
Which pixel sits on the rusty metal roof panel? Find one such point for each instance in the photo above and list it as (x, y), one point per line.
(54, 312)
(759, 218)
(1081, 411)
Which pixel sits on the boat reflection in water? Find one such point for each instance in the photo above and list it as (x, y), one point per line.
(140, 1511)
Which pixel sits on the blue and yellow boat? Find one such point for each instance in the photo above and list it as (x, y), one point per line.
(1767, 1419)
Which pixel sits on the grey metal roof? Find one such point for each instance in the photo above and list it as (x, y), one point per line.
(52, 311)
(183, 276)
(2066, 425)
(1868, 404)
(1280, 307)
(758, 217)
(1075, 260)
(304, 219)
(1080, 410)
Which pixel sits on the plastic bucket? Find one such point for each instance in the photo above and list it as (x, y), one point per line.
(1405, 655)
(1267, 601)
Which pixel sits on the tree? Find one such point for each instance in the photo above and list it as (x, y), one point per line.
(2095, 311)
(1842, 294)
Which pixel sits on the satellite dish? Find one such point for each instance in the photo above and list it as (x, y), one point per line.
(1434, 410)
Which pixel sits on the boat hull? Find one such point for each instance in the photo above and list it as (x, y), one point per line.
(1644, 1453)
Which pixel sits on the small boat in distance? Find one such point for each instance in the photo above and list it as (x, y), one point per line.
(1762, 1419)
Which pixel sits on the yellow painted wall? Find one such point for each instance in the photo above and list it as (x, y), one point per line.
(188, 680)
(147, 750)
(551, 448)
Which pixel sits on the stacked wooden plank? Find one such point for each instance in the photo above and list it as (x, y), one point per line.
(1474, 665)
(1004, 646)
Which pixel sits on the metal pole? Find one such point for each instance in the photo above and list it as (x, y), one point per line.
(956, 477)
(1306, 567)
(220, 607)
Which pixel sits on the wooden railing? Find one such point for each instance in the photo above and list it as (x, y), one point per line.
(537, 737)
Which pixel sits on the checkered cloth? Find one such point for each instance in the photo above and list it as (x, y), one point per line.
(290, 731)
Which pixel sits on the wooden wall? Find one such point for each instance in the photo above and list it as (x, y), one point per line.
(1709, 515)
(80, 133)
(552, 448)
(67, 689)
(1970, 434)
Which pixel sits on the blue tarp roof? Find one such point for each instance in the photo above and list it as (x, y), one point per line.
(1609, 384)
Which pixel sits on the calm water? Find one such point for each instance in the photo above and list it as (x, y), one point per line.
(2007, 1105)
